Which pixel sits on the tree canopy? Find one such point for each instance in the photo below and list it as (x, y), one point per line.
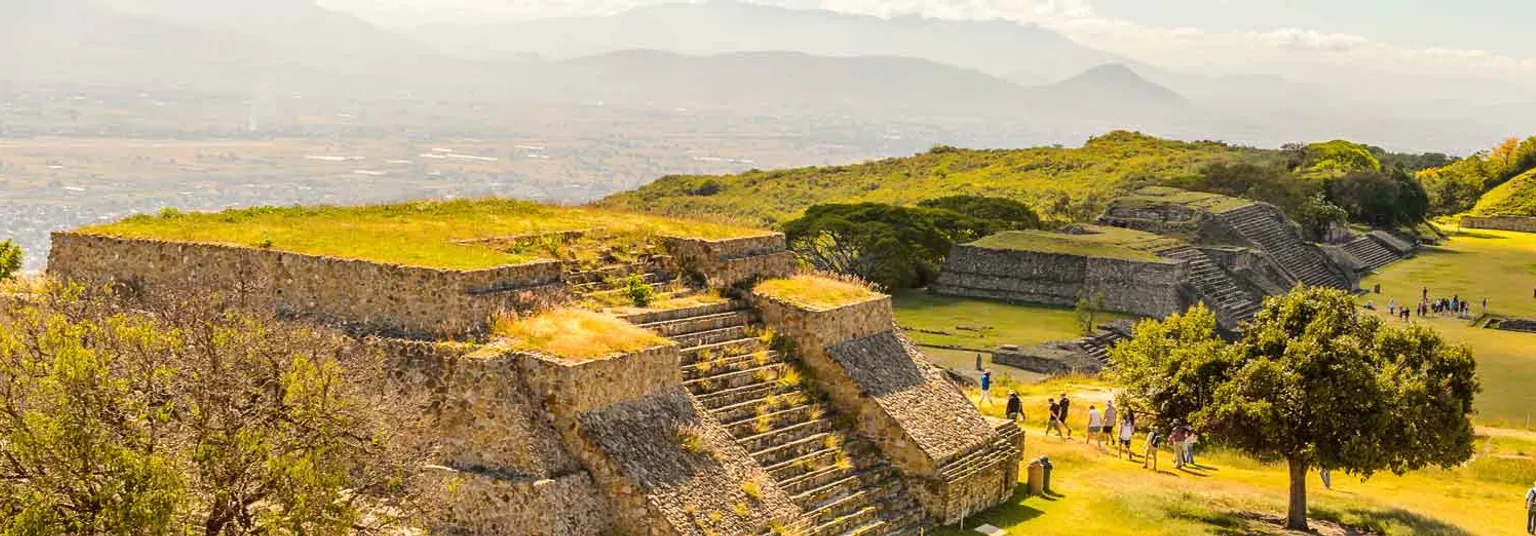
(1313, 381)
(194, 419)
(1456, 187)
(1382, 199)
(10, 260)
(892, 246)
(1007, 213)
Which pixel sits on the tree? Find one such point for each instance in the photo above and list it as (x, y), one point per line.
(10, 260)
(891, 246)
(1088, 305)
(1381, 199)
(1270, 184)
(195, 419)
(1003, 213)
(1316, 215)
(1313, 382)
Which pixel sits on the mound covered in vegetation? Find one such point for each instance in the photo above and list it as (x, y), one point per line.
(1517, 197)
(1060, 183)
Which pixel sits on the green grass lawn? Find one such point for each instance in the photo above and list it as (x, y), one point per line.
(1096, 493)
(1499, 266)
(415, 233)
(1163, 195)
(1107, 242)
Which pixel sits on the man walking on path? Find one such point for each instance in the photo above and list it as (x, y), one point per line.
(1176, 440)
(986, 387)
(1054, 422)
(1095, 427)
(1530, 510)
(1127, 429)
(1015, 409)
(1110, 416)
(1065, 406)
(1150, 456)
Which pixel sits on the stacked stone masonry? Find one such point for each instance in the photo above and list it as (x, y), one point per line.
(900, 402)
(1149, 288)
(1522, 224)
(1266, 228)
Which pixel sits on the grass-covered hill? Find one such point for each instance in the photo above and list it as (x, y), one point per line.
(1062, 183)
(1514, 198)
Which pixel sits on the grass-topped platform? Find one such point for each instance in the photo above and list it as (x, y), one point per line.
(574, 335)
(816, 292)
(1163, 195)
(459, 235)
(1087, 241)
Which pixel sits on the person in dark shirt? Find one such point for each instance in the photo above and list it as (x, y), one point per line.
(1054, 422)
(1015, 408)
(1065, 406)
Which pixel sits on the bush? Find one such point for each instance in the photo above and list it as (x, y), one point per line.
(638, 291)
(10, 260)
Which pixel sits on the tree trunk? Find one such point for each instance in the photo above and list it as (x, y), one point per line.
(1296, 516)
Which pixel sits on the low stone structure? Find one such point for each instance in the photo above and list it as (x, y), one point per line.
(1522, 224)
(711, 434)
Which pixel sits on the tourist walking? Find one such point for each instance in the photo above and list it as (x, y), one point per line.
(1127, 429)
(1150, 456)
(1095, 427)
(1054, 422)
(1110, 420)
(1015, 408)
(1327, 477)
(986, 387)
(1176, 440)
(1530, 510)
(1065, 406)
(1190, 437)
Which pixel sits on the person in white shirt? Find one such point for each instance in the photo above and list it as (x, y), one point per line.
(1530, 510)
(1127, 429)
(1095, 426)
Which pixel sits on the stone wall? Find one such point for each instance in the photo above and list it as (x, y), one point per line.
(568, 388)
(725, 263)
(1149, 288)
(496, 505)
(902, 404)
(1523, 224)
(367, 295)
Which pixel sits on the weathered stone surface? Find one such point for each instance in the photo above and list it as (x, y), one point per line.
(1056, 357)
(1149, 288)
(725, 263)
(568, 388)
(636, 450)
(481, 504)
(1523, 224)
(372, 296)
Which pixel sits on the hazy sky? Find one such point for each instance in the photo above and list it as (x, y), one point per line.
(1480, 38)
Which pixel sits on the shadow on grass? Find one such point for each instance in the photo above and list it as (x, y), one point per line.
(1378, 521)
(1476, 234)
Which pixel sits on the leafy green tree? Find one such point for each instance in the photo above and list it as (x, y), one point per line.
(1316, 215)
(891, 246)
(1087, 307)
(1313, 382)
(1005, 213)
(1380, 199)
(1335, 158)
(10, 260)
(194, 419)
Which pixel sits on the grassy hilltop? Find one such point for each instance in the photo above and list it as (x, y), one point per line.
(1514, 198)
(1059, 182)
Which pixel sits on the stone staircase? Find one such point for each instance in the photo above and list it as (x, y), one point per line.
(1371, 252)
(608, 283)
(1258, 224)
(1215, 287)
(844, 484)
(1098, 345)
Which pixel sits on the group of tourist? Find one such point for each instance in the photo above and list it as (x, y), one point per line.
(1116, 428)
(1439, 306)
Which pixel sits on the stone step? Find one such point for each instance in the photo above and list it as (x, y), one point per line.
(747, 409)
(735, 347)
(816, 460)
(776, 454)
(847, 484)
(735, 378)
(788, 433)
(728, 397)
(704, 369)
(653, 318)
(705, 322)
(752, 424)
(714, 336)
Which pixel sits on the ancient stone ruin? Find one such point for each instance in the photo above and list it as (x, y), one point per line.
(1156, 252)
(754, 415)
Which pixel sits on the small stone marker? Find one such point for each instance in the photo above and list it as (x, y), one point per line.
(990, 530)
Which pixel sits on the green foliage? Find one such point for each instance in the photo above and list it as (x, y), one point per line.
(1517, 197)
(1267, 183)
(1456, 187)
(1335, 158)
(1316, 215)
(1060, 184)
(638, 291)
(894, 247)
(1005, 213)
(1380, 199)
(10, 260)
(1088, 306)
(1312, 381)
(191, 419)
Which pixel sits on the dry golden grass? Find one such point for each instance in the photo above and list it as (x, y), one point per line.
(575, 334)
(817, 292)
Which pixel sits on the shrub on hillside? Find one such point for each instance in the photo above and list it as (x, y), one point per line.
(1269, 184)
(893, 247)
(1382, 199)
(1007, 213)
(195, 418)
(10, 260)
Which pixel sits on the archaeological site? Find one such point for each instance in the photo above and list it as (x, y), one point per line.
(1156, 252)
(604, 373)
